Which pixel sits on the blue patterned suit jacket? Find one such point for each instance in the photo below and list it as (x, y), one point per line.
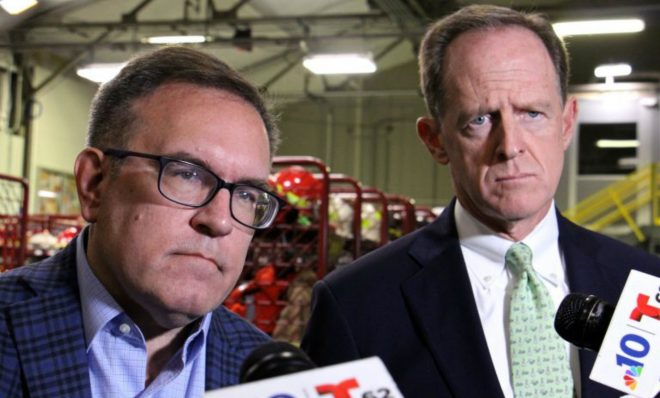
(42, 342)
(411, 303)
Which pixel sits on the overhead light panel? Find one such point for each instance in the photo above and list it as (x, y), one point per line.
(180, 39)
(598, 27)
(610, 71)
(100, 73)
(618, 144)
(14, 7)
(339, 64)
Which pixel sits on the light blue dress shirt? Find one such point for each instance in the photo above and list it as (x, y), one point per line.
(117, 351)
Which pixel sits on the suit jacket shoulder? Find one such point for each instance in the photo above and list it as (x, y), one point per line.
(41, 323)
(597, 264)
(231, 339)
(410, 303)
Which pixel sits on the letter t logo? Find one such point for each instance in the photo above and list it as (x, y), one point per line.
(338, 390)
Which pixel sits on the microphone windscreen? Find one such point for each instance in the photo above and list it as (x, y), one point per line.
(582, 320)
(273, 359)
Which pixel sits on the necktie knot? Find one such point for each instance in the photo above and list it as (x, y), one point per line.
(519, 258)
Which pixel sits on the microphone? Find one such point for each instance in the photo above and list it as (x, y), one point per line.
(626, 338)
(273, 359)
(582, 320)
(281, 370)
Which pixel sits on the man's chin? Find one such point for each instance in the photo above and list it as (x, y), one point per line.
(175, 320)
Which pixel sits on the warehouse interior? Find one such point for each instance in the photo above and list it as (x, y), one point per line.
(360, 128)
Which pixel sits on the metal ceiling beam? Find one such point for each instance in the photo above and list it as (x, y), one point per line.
(132, 15)
(216, 41)
(203, 23)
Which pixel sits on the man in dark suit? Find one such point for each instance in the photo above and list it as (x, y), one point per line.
(437, 305)
(172, 183)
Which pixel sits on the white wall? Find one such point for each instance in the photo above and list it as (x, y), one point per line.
(59, 124)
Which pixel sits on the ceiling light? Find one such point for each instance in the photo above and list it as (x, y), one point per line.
(335, 64)
(612, 70)
(17, 6)
(649, 102)
(42, 193)
(597, 27)
(181, 39)
(100, 73)
(609, 71)
(617, 143)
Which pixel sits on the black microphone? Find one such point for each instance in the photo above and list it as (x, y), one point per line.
(272, 359)
(582, 320)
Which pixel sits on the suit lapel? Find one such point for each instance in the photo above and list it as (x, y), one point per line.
(442, 305)
(586, 275)
(215, 376)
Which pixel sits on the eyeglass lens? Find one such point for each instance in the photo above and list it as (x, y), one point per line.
(193, 185)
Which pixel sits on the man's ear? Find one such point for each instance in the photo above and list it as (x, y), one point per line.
(90, 176)
(429, 133)
(569, 119)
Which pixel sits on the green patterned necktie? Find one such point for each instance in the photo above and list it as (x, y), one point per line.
(539, 364)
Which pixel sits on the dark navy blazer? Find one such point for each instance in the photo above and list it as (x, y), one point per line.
(42, 342)
(411, 304)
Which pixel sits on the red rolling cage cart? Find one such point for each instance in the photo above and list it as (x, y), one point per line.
(402, 215)
(345, 188)
(284, 261)
(61, 227)
(377, 198)
(13, 221)
(423, 215)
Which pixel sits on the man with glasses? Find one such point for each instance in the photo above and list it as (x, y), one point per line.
(173, 185)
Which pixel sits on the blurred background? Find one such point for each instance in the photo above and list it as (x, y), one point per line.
(354, 172)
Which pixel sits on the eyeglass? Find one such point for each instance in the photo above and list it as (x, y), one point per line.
(195, 186)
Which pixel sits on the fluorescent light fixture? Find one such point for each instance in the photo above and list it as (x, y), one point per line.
(598, 27)
(339, 64)
(617, 143)
(182, 39)
(627, 163)
(14, 7)
(612, 70)
(100, 73)
(649, 102)
(46, 194)
(609, 71)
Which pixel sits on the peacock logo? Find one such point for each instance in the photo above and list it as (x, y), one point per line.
(630, 378)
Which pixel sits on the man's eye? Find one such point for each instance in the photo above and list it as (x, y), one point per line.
(187, 174)
(183, 172)
(246, 196)
(533, 114)
(480, 120)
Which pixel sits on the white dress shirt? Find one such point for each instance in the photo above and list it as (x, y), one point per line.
(491, 282)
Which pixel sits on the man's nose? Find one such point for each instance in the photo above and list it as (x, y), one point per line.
(214, 219)
(510, 139)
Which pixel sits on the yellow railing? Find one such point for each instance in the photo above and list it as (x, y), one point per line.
(620, 201)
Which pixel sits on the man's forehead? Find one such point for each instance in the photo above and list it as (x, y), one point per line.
(495, 58)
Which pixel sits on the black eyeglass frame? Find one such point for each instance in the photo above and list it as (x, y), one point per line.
(220, 184)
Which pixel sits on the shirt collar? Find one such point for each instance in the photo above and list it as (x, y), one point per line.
(543, 240)
(99, 308)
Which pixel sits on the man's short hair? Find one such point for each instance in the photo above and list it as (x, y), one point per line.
(112, 115)
(481, 17)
